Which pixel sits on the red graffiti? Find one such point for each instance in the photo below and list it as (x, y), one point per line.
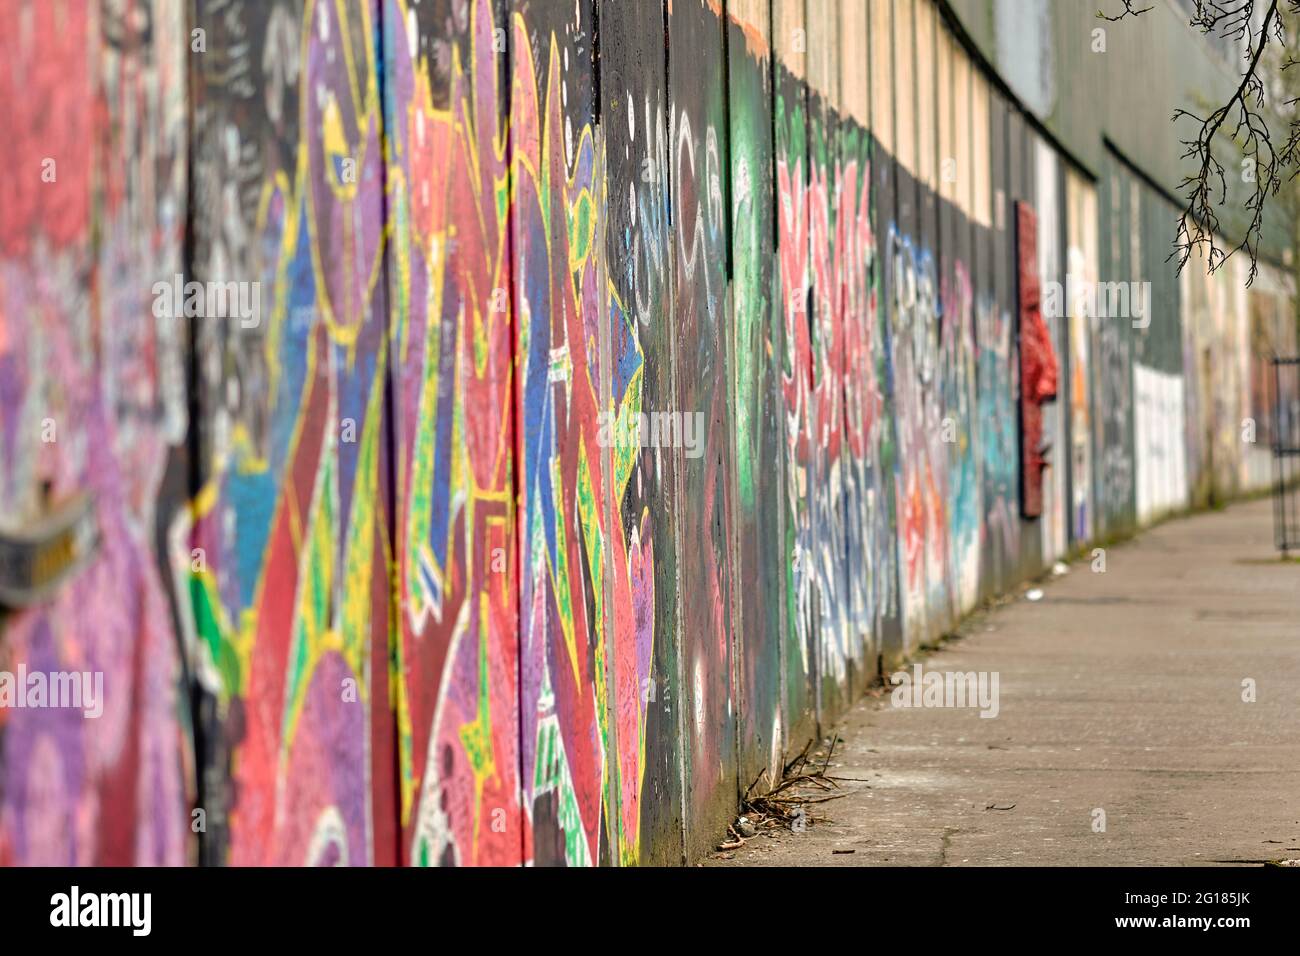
(1037, 364)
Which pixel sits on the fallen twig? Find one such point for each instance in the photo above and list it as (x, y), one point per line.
(782, 804)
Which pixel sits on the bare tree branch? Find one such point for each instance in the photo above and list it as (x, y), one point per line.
(1128, 12)
(1245, 118)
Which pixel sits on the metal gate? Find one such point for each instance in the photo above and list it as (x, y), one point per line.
(1286, 453)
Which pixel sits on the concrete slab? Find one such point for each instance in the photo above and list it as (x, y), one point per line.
(1119, 693)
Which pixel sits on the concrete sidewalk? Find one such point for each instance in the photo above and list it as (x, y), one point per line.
(1119, 692)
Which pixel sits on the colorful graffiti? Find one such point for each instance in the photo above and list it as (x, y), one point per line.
(793, 217)
(998, 383)
(648, 699)
(290, 524)
(868, 437)
(1038, 370)
(580, 403)
(923, 473)
(958, 431)
(450, 329)
(759, 422)
(1049, 209)
(94, 405)
(1081, 274)
(697, 144)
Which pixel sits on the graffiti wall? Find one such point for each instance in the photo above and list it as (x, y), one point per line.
(500, 432)
(639, 246)
(791, 159)
(92, 429)
(450, 281)
(759, 421)
(291, 520)
(1050, 209)
(1080, 276)
(867, 546)
(958, 360)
